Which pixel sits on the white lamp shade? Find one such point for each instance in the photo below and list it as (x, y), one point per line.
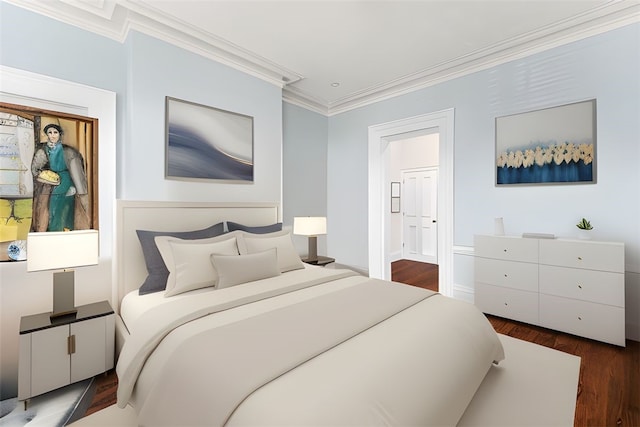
(62, 249)
(310, 225)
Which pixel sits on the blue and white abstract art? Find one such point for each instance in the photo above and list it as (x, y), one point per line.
(550, 146)
(207, 143)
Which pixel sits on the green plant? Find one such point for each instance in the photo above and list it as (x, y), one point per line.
(584, 225)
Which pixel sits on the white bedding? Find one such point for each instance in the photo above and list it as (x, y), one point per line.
(399, 371)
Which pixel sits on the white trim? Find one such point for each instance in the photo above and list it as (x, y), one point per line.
(464, 250)
(379, 261)
(463, 293)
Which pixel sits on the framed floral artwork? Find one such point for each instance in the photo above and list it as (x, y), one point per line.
(555, 145)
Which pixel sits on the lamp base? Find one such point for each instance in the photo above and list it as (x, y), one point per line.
(63, 294)
(313, 248)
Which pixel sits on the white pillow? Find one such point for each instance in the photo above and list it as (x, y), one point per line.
(188, 261)
(288, 258)
(235, 270)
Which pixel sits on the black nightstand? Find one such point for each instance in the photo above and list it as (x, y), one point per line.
(322, 260)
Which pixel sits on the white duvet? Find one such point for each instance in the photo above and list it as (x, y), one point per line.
(353, 358)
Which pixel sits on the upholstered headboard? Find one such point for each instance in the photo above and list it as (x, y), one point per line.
(173, 216)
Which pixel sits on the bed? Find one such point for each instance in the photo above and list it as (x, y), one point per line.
(273, 341)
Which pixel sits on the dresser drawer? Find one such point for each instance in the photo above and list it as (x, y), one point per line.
(588, 285)
(506, 248)
(596, 321)
(505, 302)
(508, 274)
(604, 256)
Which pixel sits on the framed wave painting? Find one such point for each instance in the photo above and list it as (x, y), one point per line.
(207, 143)
(554, 145)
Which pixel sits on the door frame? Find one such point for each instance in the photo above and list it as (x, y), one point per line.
(403, 173)
(379, 216)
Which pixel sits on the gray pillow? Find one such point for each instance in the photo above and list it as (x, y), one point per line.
(158, 273)
(236, 270)
(233, 226)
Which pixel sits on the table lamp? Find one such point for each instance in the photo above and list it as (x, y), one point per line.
(311, 226)
(62, 250)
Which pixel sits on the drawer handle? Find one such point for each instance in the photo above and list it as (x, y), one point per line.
(506, 303)
(71, 344)
(504, 250)
(506, 275)
(579, 318)
(579, 258)
(579, 286)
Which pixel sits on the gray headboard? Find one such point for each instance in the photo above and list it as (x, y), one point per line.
(173, 216)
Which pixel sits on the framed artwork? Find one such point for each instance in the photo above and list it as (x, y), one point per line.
(555, 145)
(48, 175)
(395, 197)
(206, 143)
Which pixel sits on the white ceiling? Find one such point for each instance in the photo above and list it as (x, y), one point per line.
(373, 49)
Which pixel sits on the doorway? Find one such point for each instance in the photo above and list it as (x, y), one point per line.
(379, 193)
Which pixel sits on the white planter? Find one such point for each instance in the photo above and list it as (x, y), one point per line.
(584, 234)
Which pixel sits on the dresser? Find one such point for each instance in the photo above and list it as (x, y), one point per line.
(574, 286)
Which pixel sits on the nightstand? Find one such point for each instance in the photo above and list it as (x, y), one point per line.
(322, 260)
(60, 351)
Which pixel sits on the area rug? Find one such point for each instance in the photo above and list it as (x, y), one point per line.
(54, 409)
(533, 386)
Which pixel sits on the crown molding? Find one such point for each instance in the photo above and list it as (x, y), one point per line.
(116, 18)
(293, 95)
(597, 21)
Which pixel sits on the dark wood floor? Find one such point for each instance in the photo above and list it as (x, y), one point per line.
(415, 273)
(609, 384)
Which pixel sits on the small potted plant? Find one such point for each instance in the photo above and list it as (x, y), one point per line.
(584, 226)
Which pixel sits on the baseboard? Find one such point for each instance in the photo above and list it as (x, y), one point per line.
(463, 293)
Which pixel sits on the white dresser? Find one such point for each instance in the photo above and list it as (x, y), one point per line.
(574, 286)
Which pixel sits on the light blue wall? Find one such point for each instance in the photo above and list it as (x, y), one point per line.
(157, 69)
(605, 67)
(304, 171)
(141, 71)
(41, 45)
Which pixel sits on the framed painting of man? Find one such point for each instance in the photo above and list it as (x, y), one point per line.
(48, 175)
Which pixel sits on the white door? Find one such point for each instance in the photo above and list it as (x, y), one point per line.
(419, 216)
